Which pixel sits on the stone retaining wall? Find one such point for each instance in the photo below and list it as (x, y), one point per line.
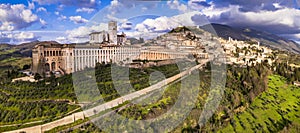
(48, 126)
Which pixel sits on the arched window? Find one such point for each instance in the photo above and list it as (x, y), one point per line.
(47, 67)
(53, 67)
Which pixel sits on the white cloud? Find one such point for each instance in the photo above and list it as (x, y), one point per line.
(156, 25)
(126, 26)
(61, 7)
(212, 12)
(31, 5)
(114, 6)
(198, 4)
(144, 9)
(81, 34)
(56, 13)
(295, 37)
(78, 19)
(121, 6)
(79, 3)
(144, 35)
(163, 24)
(114, 3)
(48, 35)
(61, 39)
(41, 9)
(43, 22)
(62, 17)
(84, 9)
(175, 4)
(233, 16)
(150, 28)
(17, 37)
(24, 36)
(7, 26)
(116, 19)
(13, 17)
(277, 5)
(27, 16)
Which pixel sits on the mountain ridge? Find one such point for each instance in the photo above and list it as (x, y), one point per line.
(249, 34)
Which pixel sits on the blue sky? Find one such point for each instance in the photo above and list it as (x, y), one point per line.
(68, 21)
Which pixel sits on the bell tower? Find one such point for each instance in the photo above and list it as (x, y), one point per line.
(112, 31)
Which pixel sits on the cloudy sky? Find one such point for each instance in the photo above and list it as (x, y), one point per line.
(68, 21)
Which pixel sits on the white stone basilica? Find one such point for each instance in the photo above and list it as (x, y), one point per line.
(104, 47)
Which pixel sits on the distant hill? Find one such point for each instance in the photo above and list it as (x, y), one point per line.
(179, 29)
(21, 50)
(265, 38)
(16, 56)
(136, 41)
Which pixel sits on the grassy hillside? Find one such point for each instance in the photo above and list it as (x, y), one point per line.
(271, 111)
(239, 93)
(14, 58)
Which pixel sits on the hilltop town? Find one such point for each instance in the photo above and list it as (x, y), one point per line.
(109, 47)
(182, 43)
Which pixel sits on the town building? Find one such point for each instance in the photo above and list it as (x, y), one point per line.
(243, 53)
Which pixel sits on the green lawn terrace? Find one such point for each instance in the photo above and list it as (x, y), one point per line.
(272, 111)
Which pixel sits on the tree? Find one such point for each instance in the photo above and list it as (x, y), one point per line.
(297, 73)
(25, 67)
(52, 77)
(37, 76)
(8, 74)
(141, 40)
